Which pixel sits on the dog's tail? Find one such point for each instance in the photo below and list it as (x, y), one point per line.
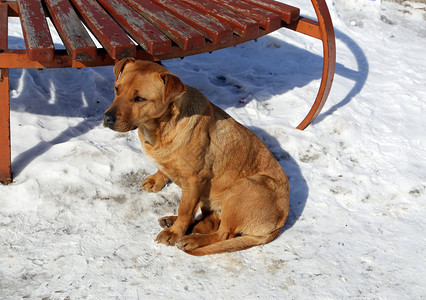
(234, 244)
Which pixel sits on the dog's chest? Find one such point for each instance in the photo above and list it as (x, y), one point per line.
(146, 137)
(162, 159)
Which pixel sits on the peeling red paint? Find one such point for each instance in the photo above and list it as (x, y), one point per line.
(75, 37)
(144, 33)
(35, 30)
(241, 25)
(269, 21)
(106, 30)
(288, 13)
(211, 27)
(178, 31)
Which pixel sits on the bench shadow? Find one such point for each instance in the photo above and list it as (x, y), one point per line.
(83, 94)
(299, 190)
(273, 67)
(25, 158)
(359, 76)
(87, 104)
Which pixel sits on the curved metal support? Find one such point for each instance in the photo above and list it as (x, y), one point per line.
(329, 66)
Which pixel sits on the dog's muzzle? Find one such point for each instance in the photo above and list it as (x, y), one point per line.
(109, 120)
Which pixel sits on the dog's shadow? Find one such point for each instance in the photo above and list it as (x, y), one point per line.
(299, 190)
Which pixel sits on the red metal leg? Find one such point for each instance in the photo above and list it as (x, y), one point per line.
(329, 66)
(5, 170)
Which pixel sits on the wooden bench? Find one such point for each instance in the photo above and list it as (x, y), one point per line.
(162, 29)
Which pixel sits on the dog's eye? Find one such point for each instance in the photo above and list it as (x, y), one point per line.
(139, 99)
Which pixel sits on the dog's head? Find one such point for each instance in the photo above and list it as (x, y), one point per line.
(144, 92)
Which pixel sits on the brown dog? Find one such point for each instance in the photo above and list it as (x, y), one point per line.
(220, 165)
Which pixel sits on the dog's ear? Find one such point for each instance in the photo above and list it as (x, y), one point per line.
(118, 68)
(173, 87)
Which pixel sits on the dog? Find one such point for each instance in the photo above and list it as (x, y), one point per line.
(221, 166)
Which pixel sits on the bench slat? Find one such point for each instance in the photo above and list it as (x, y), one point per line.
(178, 31)
(75, 37)
(109, 34)
(267, 20)
(36, 32)
(242, 26)
(288, 13)
(147, 35)
(212, 28)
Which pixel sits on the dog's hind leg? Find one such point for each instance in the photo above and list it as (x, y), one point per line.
(253, 214)
(225, 245)
(208, 223)
(155, 182)
(196, 240)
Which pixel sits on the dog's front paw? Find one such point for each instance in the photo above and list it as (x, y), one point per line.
(167, 222)
(168, 237)
(154, 183)
(188, 242)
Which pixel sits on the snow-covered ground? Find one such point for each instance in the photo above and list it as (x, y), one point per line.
(75, 223)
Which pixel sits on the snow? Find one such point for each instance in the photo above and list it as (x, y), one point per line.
(75, 223)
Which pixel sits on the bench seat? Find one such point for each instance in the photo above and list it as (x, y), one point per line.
(157, 29)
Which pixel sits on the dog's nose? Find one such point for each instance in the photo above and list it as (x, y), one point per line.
(109, 119)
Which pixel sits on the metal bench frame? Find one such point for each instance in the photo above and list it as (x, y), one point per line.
(217, 35)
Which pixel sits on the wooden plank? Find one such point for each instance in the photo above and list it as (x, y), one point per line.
(144, 33)
(178, 31)
(18, 59)
(288, 13)
(306, 26)
(109, 34)
(75, 37)
(211, 27)
(241, 25)
(5, 157)
(36, 32)
(267, 20)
